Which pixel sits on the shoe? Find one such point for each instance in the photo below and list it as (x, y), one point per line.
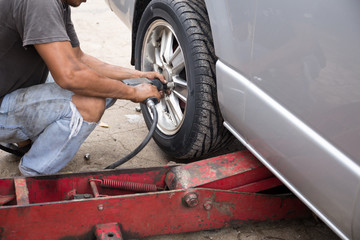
(14, 149)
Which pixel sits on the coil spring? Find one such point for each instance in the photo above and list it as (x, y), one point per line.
(130, 186)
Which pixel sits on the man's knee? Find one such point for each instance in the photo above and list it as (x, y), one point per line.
(90, 108)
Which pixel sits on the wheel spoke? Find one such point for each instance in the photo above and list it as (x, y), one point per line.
(179, 82)
(178, 68)
(167, 40)
(158, 61)
(149, 57)
(152, 40)
(162, 45)
(181, 95)
(163, 117)
(181, 88)
(169, 47)
(156, 68)
(174, 109)
(177, 61)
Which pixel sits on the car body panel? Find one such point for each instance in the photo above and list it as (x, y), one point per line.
(233, 34)
(124, 9)
(289, 90)
(297, 97)
(300, 157)
(356, 222)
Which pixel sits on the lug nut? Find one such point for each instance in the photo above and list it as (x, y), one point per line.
(191, 200)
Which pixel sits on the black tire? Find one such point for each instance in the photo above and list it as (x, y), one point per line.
(202, 131)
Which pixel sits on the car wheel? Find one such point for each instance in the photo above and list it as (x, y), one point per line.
(174, 38)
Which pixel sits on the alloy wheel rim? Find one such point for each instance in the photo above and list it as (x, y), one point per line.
(161, 52)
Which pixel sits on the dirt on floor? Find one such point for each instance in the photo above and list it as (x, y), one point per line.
(104, 36)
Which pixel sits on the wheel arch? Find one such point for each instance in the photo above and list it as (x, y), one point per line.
(140, 6)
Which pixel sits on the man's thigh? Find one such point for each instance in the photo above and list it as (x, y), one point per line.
(25, 113)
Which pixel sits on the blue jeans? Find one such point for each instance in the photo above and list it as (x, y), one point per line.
(44, 114)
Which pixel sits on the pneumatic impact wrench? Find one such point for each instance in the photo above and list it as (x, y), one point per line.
(150, 103)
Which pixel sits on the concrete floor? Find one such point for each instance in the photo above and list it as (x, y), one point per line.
(104, 36)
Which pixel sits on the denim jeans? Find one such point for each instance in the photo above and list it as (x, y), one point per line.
(44, 114)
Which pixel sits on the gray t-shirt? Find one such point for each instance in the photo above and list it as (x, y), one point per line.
(24, 23)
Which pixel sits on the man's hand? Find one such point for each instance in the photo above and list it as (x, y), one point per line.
(152, 75)
(144, 91)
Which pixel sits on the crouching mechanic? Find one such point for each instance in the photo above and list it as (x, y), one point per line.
(37, 36)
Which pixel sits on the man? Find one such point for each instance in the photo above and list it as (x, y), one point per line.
(37, 36)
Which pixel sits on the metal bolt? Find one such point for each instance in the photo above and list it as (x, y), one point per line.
(101, 207)
(191, 200)
(208, 205)
(138, 109)
(87, 156)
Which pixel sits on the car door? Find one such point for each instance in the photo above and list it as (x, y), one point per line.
(302, 110)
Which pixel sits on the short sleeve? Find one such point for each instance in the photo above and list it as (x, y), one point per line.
(40, 21)
(71, 30)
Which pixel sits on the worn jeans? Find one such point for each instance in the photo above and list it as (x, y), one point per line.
(44, 114)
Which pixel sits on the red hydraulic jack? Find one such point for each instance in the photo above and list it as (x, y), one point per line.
(134, 203)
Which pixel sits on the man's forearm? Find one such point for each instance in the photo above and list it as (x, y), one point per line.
(88, 82)
(112, 71)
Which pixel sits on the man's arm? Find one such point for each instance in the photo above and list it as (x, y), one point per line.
(71, 73)
(112, 71)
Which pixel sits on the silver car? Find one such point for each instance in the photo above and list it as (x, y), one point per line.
(281, 76)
